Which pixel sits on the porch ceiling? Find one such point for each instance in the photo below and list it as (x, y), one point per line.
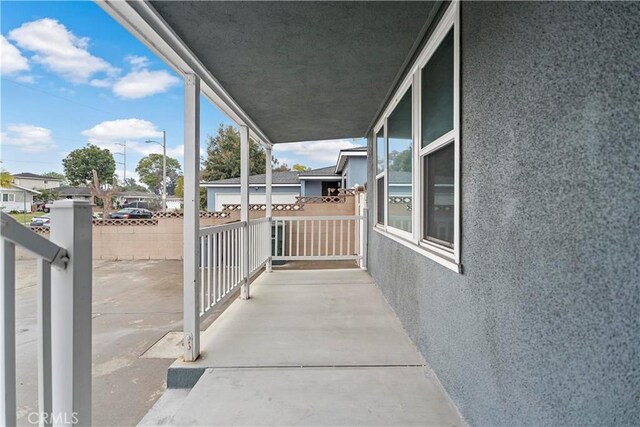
(302, 70)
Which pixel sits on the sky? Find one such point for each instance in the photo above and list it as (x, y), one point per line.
(71, 75)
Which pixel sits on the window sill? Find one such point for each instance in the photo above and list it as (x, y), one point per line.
(440, 259)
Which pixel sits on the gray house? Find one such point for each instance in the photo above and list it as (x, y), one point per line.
(510, 258)
(350, 170)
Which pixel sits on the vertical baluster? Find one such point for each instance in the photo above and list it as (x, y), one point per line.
(312, 235)
(341, 236)
(305, 237)
(202, 264)
(45, 396)
(319, 237)
(218, 264)
(8, 330)
(326, 237)
(334, 237)
(349, 237)
(224, 262)
(209, 271)
(275, 249)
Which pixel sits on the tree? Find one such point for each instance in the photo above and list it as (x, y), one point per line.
(56, 175)
(5, 178)
(150, 171)
(130, 184)
(179, 190)
(300, 168)
(80, 163)
(46, 195)
(277, 167)
(223, 156)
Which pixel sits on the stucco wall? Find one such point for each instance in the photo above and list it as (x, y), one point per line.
(312, 188)
(542, 327)
(357, 172)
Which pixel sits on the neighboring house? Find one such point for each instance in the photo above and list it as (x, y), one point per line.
(36, 182)
(78, 193)
(350, 170)
(174, 203)
(352, 166)
(16, 198)
(285, 189)
(125, 197)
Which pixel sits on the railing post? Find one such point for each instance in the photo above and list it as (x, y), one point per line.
(71, 228)
(363, 237)
(8, 331)
(268, 185)
(244, 209)
(191, 217)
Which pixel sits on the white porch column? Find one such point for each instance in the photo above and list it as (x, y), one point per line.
(244, 208)
(268, 182)
(71, 228)
(191, 216)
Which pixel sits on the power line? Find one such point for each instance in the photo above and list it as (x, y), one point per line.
(60, 97)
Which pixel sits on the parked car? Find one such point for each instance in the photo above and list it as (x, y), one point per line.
(131, 213)
(40, 221)
(139, 205)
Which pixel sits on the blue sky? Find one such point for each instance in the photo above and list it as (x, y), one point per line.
(72, 75)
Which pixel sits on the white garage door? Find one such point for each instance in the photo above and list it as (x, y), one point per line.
(232, 199)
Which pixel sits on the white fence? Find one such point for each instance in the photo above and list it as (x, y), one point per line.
(63, 315)
(318, 238)
(221, 266)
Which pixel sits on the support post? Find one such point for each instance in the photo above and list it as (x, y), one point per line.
(8, 331)
(244, 208)
(191, 217)
(71, 228)
(268, 184)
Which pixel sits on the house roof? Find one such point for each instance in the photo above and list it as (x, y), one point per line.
(345, 153)
(143, 194)
(67, 190)
(278, 178)
(19, 188)
(326, 171)
(301, 56)
(35, 176)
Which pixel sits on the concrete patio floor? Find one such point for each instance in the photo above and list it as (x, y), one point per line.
(314, 347)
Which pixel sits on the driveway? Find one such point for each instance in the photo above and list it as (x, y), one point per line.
(135, 303)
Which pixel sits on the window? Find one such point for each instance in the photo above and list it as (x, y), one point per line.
(417, 147)
(380, 176)
(8, 197)
(399, 150)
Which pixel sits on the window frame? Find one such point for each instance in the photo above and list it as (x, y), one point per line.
(382, 175)
(11, 197)
(444, 255)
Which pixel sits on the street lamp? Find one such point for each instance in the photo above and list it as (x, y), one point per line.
(164, 168)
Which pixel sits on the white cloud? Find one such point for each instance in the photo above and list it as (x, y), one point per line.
(29, 138)
(141, 83)
(132, 131)
(312, 152)
(11, 60)
(59, 50)
(138, 62)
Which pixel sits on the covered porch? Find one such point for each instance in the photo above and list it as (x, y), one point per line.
(311, 347)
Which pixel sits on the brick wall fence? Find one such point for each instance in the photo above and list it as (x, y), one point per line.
(161, 236)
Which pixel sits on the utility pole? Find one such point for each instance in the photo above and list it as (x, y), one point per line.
(164, 168)
(124, 160)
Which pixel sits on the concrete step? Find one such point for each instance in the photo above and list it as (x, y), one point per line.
(367, 396)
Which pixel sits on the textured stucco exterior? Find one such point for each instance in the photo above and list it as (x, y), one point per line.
(356, 171)
(542, 327)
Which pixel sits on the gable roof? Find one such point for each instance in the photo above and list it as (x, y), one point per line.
(35, 176)
(19, 188)
(345, 153)
(67, 190)
(326, 171)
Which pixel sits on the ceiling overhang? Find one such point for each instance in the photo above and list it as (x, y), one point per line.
(290, 71)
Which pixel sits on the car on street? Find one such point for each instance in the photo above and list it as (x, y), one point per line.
(40, 221)
(131, 213)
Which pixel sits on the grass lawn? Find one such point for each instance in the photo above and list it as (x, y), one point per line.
(26, 218)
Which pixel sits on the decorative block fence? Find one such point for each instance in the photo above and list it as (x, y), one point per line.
(161, 237)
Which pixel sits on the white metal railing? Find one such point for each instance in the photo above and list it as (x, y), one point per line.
(220, 263)
(63, 315)
(318, 238)
(259, 244)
